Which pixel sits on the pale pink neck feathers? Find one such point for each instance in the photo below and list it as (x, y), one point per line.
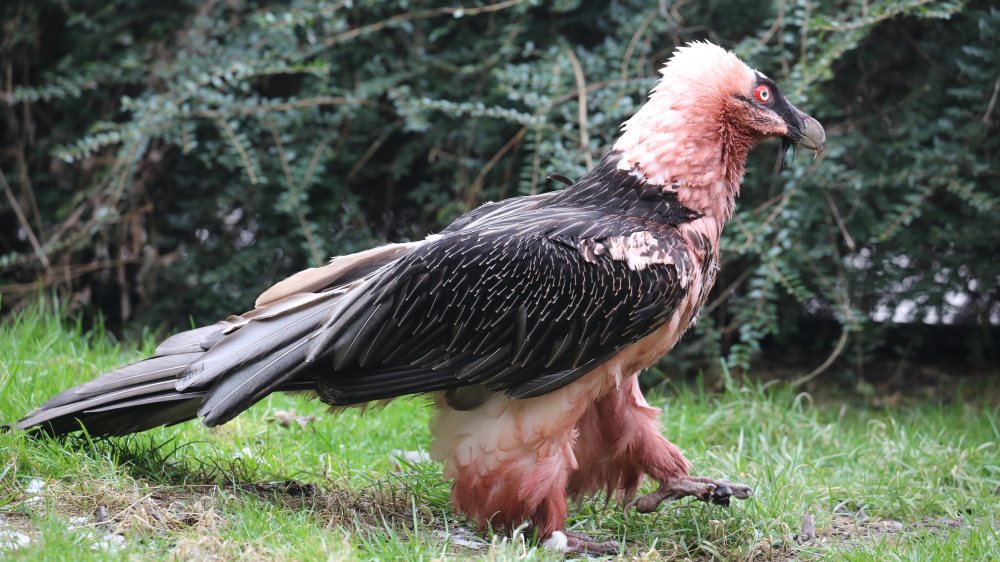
(683, 140)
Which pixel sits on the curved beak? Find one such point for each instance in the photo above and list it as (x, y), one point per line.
(807, 133)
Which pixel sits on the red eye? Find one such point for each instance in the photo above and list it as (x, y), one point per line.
(762, 93)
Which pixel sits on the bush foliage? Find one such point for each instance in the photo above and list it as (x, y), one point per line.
(165, 162)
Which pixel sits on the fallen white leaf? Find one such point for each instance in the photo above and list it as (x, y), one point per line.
(108, 542)
(412, 457)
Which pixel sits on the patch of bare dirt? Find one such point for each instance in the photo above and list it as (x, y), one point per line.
(847, 530)
(115, 513)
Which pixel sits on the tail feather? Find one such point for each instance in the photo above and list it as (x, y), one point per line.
(150, 370)
(121, 419)
(237, 392)
(220, 370)
(192, 341)
(215, 372)
(252, 342)
(145, 382)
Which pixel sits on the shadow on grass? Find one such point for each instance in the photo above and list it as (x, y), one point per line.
(416, 493)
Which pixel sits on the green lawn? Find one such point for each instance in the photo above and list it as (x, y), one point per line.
(919, 481)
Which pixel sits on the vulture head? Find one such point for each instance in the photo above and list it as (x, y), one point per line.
(705, 113)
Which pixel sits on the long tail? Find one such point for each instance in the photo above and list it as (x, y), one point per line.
(133, 398)
(214, 372)
(218, 371)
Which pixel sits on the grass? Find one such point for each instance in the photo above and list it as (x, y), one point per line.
(918, 481)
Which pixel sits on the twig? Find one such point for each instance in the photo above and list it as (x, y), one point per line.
(239, 148)
(837, 350)
(675, 12)
(632, 44)
(314, 161)
(422, 14)
(283, 157)
(869, 21)
(24, 223)
(477, 184)
(909, 210)
(728, 291)
(592, 87)
(993, 102)
(738, 221)
(581, 96)
(63, 274)
(778, 21)
(767, 204)
(286, 106)
(646, 46)
(24, 178)
(785, 198)
(840, 222)
(372, 149)
(536, 164)
(804, 42)
(760, 302)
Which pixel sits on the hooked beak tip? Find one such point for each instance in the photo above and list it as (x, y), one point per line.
(812, 135)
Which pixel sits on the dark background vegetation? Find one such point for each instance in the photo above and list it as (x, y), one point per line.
(164, 162)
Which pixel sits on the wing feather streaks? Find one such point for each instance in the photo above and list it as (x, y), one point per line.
(522, 297)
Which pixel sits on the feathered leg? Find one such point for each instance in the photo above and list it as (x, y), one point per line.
(620, 440)
(510, 460)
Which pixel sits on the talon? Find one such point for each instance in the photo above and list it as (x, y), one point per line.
(721, 495)
(719, 492)
(627, 509)
(721, 500)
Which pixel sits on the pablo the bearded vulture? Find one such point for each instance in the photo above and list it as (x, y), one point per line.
(525, 321)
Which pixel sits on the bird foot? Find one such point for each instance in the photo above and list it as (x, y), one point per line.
(571, 541)
(704, 489)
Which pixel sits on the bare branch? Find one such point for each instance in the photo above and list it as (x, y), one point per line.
(993, 101)
(477, 184)
(456, 11)
(840, 222)
(581, 97)
(837, 350)
(23, 220)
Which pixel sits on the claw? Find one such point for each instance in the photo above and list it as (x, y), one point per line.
(721, 495)
(719, 492)
(627, 509)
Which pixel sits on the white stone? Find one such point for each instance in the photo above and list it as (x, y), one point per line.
(10, 540)
(558, 542)
(108, 542)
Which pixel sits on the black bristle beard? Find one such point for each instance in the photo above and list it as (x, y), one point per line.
(786, 143)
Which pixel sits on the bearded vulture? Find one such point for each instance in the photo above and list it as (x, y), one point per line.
(526, 321)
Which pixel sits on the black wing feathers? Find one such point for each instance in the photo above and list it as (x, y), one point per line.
(520, 297)
(512, 311)
(509, 298)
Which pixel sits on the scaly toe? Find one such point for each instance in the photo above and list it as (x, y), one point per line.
(741, 491)
(581, 543)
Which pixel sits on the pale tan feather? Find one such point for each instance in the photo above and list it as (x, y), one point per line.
(317, 278)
